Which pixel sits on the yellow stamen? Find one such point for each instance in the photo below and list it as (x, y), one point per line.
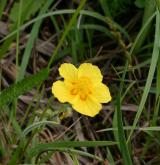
(74, 91)
(83, 96)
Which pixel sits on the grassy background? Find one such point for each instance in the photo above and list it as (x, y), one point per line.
(122, 38)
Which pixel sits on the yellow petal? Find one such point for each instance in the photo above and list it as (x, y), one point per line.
(68, 71)
(101, 93)
(89, 107)
(90, 71)
(61, 92)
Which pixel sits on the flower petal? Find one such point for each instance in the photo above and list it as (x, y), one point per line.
(68, 71)
(90, 71)
(101, 93)
(89, 107)
(61, 92)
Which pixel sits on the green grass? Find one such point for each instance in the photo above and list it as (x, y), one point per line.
(37, 129)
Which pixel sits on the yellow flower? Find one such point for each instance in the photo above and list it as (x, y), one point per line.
(82, 88)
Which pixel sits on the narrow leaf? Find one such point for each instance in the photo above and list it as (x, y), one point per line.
(67, 144)
(15, 90)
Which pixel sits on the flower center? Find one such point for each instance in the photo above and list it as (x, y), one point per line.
(82, 87)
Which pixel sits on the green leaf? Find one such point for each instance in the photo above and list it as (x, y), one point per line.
(154, 60)
(31, 40)
(2, 7)
(15, 90)
(66, 31)
(67, 144)
(29, 8)
(149, 9)
(110, 157)
(105, 7)
(121, 135)
(37, 125)
(118, 114)
(140, 3)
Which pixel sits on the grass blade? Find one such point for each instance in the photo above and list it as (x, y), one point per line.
(121, 135)
(2, 7)
(37, 125)
(30, 43)
(153, 65)
(67, 144)
(68, 27)
(15, 90)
